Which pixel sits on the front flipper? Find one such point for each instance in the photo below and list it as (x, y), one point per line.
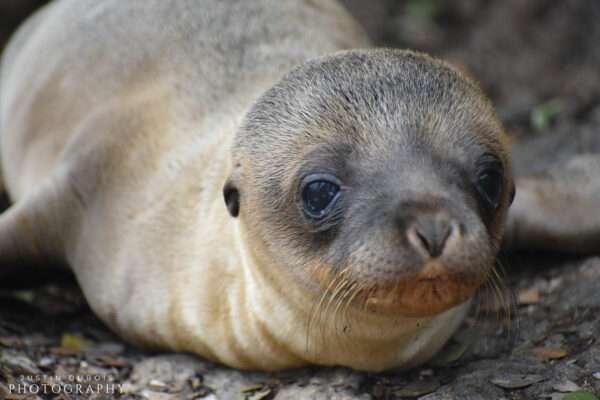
(557, 205)
(31, 230)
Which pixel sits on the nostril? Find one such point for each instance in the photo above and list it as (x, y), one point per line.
(430, 236)
(423, 240)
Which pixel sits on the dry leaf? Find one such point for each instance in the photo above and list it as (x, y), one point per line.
(251, 388)
(566, 386)
(516, 381)
(262, 395)
(109, 361)
(74, 342)
(529, 296)
(11, 342)
(418, 388)
(63, 352)
(549, 353)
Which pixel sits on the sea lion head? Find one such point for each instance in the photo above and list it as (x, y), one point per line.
(386, 170)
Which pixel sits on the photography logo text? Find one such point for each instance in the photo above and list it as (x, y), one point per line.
(70, 384)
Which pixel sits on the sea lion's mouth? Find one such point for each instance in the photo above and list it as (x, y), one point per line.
(430, 292)
(421, 295)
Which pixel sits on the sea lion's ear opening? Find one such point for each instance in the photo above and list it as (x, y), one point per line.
(231, 193)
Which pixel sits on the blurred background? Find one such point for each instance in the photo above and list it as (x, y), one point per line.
(539, 60)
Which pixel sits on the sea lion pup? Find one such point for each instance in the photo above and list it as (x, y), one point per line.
(365, 190)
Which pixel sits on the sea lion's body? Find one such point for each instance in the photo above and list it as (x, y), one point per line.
(117, 121)
(141, 152)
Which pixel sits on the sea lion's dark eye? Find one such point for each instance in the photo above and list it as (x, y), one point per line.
(490, 184)
(318, 196)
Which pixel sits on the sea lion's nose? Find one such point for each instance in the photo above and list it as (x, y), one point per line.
(429, 233)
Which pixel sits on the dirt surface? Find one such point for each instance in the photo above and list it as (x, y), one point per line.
(539, 61)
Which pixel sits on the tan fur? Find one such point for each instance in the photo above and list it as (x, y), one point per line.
(117, 122)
